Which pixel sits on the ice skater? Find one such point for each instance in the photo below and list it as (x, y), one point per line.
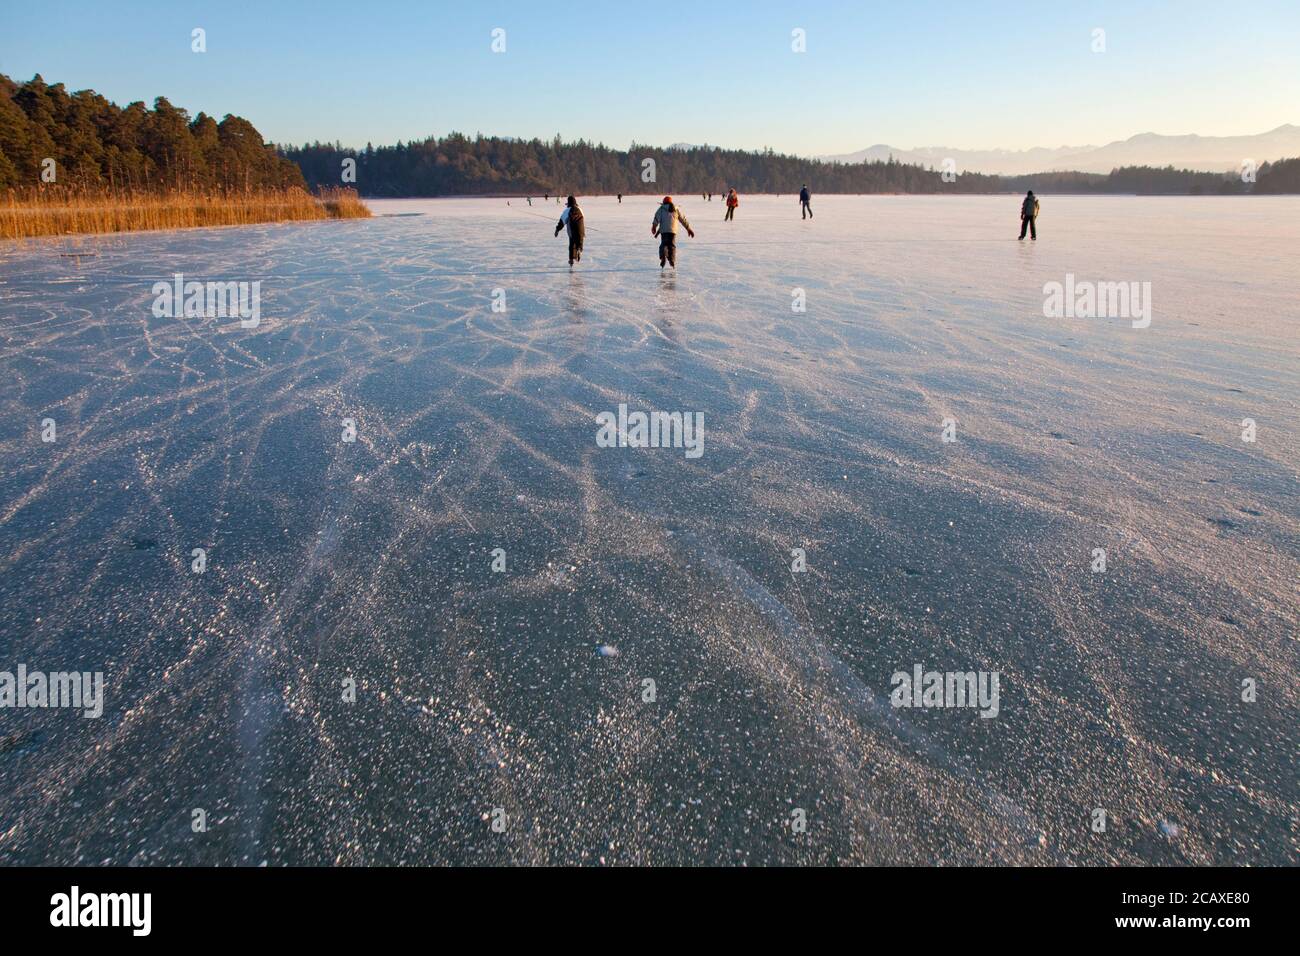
(572, 218)
(1028, 215)
(805, 202)
(620, 199)
(664, 225)
(732, 202)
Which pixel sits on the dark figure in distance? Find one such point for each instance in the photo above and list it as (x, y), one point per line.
(572, 217)
(664, 225)
(1029, 213)
(805, 198)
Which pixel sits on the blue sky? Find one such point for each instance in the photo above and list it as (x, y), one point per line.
(959, 74)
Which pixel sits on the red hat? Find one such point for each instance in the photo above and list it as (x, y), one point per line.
(668, 200)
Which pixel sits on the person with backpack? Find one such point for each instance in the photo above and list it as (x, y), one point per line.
(732, 202)
(1028, 215)
(573, 220)
(664, 225)
(805, 199)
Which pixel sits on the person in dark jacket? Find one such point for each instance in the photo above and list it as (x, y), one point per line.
(664, 225)
(1028, 215)
(805, 198)
(572, 219)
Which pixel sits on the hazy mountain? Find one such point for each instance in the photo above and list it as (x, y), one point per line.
(1209, 153)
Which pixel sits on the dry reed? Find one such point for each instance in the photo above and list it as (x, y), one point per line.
(58, 211)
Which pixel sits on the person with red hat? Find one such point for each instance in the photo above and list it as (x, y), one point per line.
(664, 225)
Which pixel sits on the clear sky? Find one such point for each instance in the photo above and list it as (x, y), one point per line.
(909, 73)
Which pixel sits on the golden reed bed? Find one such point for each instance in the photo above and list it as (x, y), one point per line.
(51, 211)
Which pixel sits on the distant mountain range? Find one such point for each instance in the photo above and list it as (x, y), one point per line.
(1208, 153)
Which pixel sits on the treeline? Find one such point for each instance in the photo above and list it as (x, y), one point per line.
(457, 165)
(95, 144)
(1280, 177)
(1138, 180)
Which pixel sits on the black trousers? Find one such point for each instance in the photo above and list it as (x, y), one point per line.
(668, 248)
(807, 208)
(575, 249)
(731, 214)
(1027, 222)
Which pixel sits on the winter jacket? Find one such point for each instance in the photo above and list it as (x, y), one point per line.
(572, 218)
(1029, 208)
(803, 195)
(733, 200)
(667, 217)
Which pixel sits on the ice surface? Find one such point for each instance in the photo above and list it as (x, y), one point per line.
(476, 430)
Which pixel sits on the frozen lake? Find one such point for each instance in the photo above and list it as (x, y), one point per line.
(523, 691)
